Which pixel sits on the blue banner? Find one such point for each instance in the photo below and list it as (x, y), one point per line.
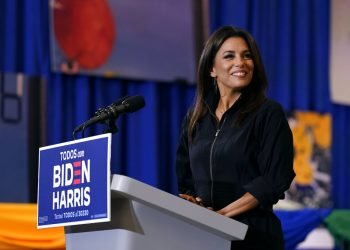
(74, 182)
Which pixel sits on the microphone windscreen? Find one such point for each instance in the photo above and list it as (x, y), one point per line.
(134, 103)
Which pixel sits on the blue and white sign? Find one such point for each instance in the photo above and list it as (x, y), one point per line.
(74, 182)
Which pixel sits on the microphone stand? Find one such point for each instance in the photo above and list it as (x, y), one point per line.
(110, 126)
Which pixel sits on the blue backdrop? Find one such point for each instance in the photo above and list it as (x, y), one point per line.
(293, 36)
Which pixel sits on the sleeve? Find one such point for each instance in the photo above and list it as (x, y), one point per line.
(183, 169)
(274, 158)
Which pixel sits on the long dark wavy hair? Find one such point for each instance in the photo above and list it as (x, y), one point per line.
(252, 96)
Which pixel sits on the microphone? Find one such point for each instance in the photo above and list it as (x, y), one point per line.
(124, 105)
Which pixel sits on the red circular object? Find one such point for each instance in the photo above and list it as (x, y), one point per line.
(84, 30)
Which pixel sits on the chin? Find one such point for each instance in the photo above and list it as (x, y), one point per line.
(240, 86)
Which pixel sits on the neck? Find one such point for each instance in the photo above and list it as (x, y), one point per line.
(227, 101)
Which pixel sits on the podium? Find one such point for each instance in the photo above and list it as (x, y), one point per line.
(146, 218)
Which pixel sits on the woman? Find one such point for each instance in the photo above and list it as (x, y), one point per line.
(235, 154)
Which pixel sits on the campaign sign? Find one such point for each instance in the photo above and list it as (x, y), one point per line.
(74, 182)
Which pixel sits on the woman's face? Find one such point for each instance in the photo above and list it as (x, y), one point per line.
(233, 66)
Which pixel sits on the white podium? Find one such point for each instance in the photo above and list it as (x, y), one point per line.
(146, 218)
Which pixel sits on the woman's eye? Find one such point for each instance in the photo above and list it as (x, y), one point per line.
(229, 56)
(247, 55)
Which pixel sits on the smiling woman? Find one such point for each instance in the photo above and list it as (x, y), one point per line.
(232, 71)
(233, 66)
(235, 154)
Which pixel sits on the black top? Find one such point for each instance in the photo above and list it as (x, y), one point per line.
(223, 161)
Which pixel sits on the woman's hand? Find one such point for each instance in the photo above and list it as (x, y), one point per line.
(190, 198)
(243, 204)
(195, 200)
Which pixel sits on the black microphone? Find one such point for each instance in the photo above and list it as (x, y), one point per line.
(124, 105)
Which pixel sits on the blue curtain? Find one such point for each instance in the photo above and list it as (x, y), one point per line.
(24, 41)
(293, 36)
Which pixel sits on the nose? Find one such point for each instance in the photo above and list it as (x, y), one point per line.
(238, 61)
